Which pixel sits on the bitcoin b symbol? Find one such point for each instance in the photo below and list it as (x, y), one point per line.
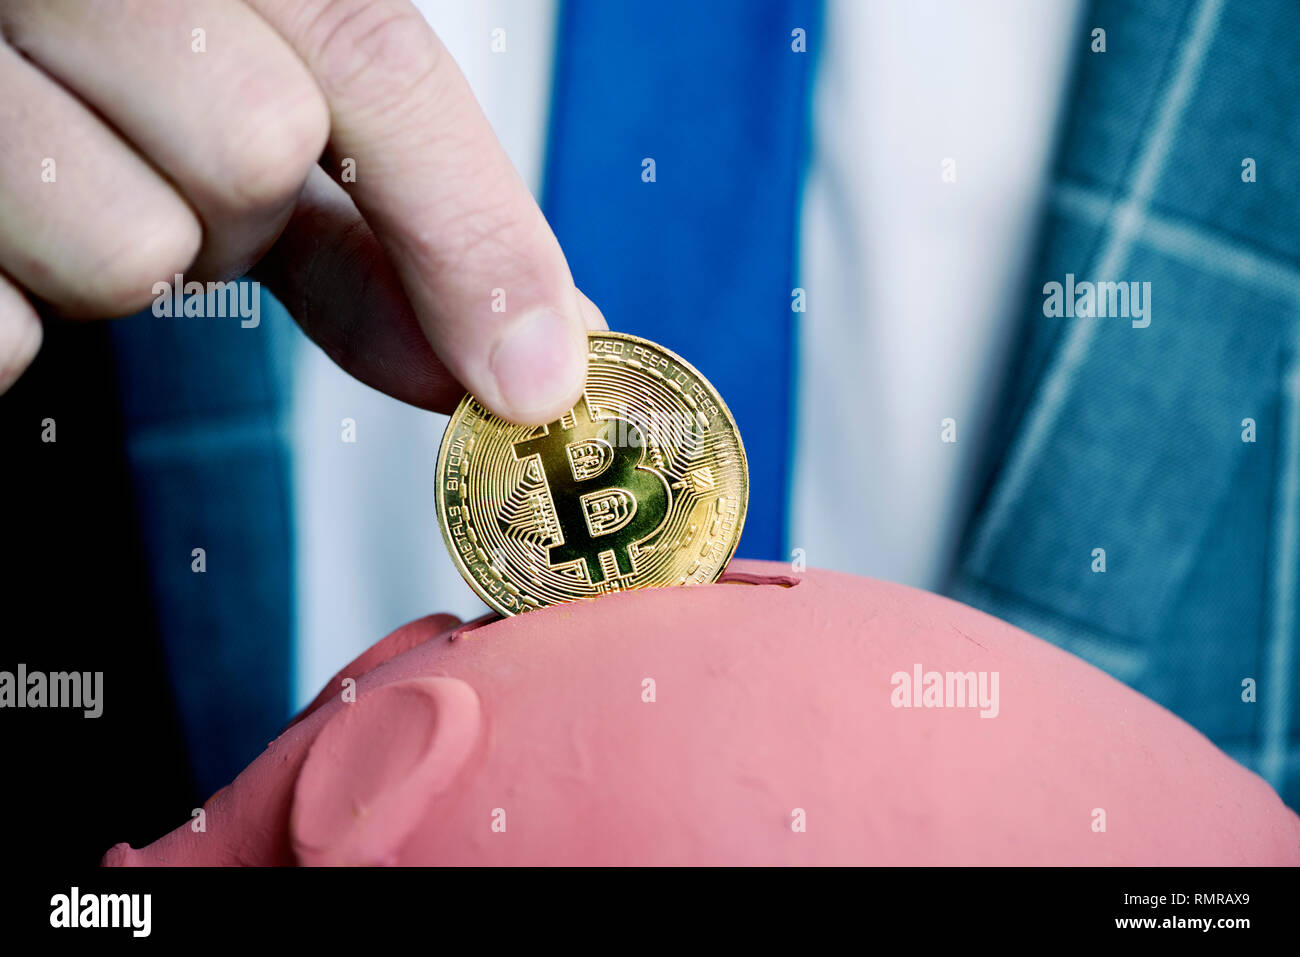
(606, 500)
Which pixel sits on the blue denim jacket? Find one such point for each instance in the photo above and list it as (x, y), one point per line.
(1175, 447)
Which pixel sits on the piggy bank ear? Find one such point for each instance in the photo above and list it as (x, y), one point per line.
(403, 639)
(373, 769)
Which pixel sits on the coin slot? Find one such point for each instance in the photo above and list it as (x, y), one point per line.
(477, 623)
(752, 578)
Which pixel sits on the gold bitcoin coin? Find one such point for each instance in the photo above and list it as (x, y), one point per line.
(643, 483)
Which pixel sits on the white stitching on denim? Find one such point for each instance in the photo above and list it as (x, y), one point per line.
(1125, 221)
(1188, 243)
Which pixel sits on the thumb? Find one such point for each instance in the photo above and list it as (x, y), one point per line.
(474, 254)
(334, 276)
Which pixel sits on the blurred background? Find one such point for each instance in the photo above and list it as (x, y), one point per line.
(847, 215)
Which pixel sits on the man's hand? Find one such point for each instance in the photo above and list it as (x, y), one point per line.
(171, 159)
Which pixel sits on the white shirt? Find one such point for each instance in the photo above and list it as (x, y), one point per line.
(912, 285)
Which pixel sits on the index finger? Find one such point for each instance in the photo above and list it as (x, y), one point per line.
(481, 267)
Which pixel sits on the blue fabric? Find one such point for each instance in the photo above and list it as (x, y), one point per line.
(202, 401)
(1130, 439)
(702, 259)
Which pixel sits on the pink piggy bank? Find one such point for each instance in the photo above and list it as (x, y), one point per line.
(768, 719)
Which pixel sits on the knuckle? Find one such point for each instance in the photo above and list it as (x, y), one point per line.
(266, 164)
(154, 250)
(371, 48)
(486, 237)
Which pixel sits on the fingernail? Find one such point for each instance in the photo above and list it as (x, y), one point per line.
(539, 365)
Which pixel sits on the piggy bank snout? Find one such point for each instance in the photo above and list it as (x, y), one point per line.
(376, 764)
